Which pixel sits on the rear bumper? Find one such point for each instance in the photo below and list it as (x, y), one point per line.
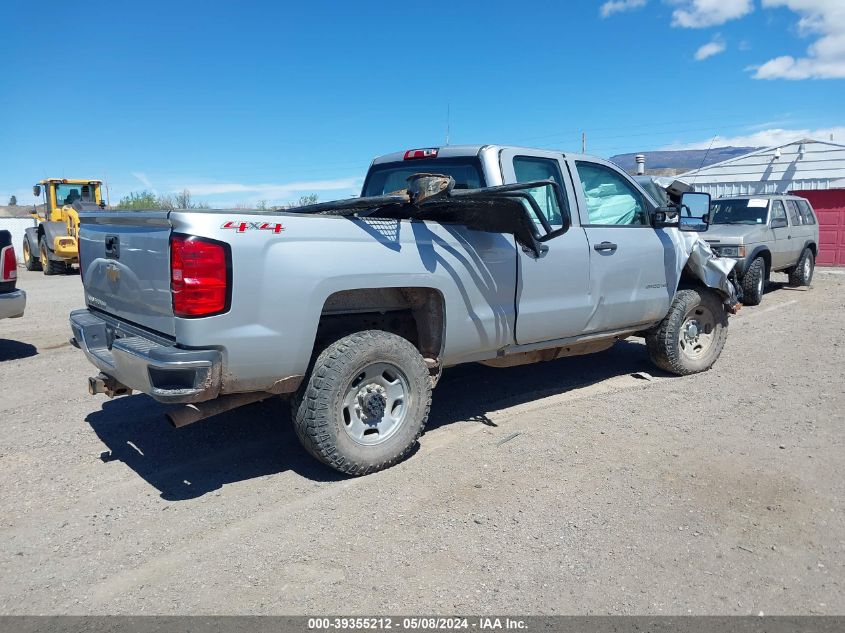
(12, 304)
(165, 372)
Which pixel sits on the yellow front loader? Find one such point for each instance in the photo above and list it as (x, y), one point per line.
(51, 245)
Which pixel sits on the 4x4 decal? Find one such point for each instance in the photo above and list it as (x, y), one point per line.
(242, 227)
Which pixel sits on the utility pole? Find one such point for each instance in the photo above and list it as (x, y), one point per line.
(448, 119)
(583, 142)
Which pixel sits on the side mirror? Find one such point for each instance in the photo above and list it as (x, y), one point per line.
(778, 223)
(36, 191)
(694, 211)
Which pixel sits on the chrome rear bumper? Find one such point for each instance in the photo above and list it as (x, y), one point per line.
(12, 304)
(165, 372)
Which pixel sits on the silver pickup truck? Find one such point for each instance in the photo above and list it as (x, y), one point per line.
(507, 256)
(12, 300)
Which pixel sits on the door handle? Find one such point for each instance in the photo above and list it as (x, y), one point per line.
(605, 246)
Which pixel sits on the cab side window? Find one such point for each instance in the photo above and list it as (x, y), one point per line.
(528, 168)
(778, 211)
(806, 214)
(794, 217)
(611, 199)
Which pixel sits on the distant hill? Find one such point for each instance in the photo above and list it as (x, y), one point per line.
(679, 161)
(18, 211)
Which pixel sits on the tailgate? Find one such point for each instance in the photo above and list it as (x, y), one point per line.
(125, 260)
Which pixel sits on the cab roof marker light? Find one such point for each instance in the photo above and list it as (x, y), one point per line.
(430, 152)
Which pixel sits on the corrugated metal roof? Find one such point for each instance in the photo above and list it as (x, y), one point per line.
(821, 166)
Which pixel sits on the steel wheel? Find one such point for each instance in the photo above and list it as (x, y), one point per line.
(696, 334)
(807, 268)
(26, 253)
(45, 261)
(760, 283)
(376, 403)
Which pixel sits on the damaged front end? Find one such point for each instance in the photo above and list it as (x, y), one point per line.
(700, 262)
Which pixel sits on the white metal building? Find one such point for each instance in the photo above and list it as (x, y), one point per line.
(801, 165)
(17, 226)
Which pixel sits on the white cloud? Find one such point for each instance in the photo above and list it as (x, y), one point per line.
(699, 14)
(142, 177)
(618, 6)
(825, 58)
(767, 138)
(270, 190)
(716, 46)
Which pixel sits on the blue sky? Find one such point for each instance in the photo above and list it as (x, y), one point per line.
(246, 101)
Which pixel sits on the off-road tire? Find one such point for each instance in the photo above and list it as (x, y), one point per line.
(317, 407)
(802, 274)
(51, 267)
(29, 260)
(754, 282)
(663, 341)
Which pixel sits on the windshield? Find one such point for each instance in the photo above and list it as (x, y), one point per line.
(389, 177)
(657, 192)
(739, 211)
(68, 194)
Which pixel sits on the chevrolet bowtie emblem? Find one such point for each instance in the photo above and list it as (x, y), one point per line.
(113, 273)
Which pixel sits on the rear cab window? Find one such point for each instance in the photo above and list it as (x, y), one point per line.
(384, 178)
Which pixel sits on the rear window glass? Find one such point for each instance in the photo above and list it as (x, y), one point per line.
(805, 212)
(389, 177)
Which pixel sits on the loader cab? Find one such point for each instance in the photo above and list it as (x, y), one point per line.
(56, 193)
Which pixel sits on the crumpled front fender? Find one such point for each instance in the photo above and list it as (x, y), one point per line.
(696, 257)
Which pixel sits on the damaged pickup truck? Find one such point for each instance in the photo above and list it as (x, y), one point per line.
(491, 254)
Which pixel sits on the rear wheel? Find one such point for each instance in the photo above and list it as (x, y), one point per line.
(754, 282)
(29, 260)
(691, 337)
(50, 266)
(364, 403)
(802, 274)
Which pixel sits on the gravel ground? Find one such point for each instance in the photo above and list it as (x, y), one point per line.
(564, 487)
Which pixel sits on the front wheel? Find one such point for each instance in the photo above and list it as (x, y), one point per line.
(50, 266)
(30, 261)
(691, 336)
(754, 282)
(364, 403)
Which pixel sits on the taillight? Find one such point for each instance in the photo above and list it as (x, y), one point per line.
(8, 264)
(199, 277)
(430, 152)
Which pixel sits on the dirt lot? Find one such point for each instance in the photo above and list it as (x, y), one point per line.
(566, 487)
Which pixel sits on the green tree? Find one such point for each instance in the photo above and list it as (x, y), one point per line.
(138, 200)
(311, 198)
(184, 200)
(13, 201)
